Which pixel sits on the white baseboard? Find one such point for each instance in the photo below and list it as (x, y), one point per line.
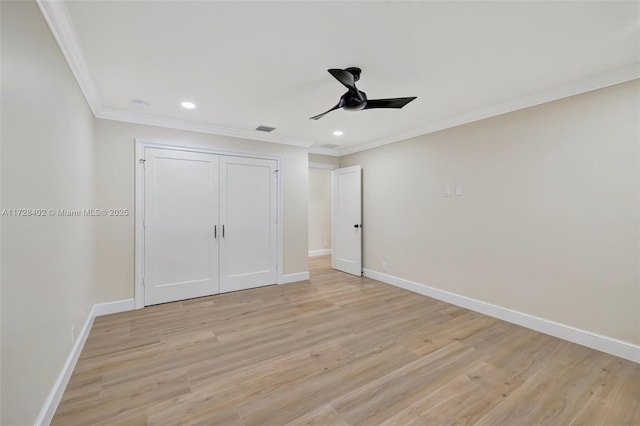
(606, 344)
(319, 252)
(53, 399)
(114, 307)
(292, 278)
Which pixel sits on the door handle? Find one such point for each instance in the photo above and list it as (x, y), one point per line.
(215, 231)
(222, 231)
(357, 225)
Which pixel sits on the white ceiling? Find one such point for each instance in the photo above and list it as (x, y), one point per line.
(250, 63)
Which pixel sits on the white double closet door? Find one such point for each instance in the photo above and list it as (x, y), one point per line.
(209, 224)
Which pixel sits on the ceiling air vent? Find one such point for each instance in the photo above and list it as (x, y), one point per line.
(265, 129)
(140, 103)
(330, 145)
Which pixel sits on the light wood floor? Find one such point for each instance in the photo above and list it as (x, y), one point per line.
(338, 350)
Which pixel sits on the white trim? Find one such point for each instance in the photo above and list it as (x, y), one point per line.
(57, 17)
(324, 151)
(354, 265)
(59, 21)
(293, 278)
(52, 401)
(55, 395)
(194, 126)
(138, 283)
(280, 231)
(582, 86)
(582, 337)
(326, 166)
(171, 145)
(140, 145)
(323, 252)
(113, 307)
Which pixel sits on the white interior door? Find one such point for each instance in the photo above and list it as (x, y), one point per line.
(346, 221)
(248, 217)
(180, 225)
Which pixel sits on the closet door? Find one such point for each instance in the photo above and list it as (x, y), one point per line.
(180, 225)
(248, 220)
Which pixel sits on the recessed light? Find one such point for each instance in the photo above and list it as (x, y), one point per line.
(338, 133)
(188, 105)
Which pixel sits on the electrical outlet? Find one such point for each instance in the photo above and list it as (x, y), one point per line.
(73, 334)
(385, 266)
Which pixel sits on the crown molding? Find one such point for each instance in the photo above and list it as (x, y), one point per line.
(57, 17)
(581, 86)
(324, 151)
(196, 126)
(325, 166)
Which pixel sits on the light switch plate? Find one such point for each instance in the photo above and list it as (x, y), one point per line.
(459, 190)
(447, 191)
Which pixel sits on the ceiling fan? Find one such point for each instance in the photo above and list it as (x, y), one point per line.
(356, 100)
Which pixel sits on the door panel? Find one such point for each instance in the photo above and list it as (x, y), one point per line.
(248, 215)
(347, 220)
(181, 210)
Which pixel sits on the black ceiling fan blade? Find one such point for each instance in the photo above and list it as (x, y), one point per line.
(316, 117)
(388, 103)
(344, 77)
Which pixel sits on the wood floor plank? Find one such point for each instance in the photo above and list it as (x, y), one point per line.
(337, 350)
(296, 400)
(105, 408)
(559, 393)
(383, 397)
(616, 401)
(197, 408)
(461, 401)
(323, 416)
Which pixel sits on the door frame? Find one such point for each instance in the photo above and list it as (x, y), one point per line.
(334, 213)
(140, 145)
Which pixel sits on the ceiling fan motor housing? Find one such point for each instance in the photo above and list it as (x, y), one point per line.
(354, 100)
(355, 71)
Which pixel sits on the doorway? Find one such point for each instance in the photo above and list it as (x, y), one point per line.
(335, 227)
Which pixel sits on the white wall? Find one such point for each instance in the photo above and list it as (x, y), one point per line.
(114, 165)
(319, 209)
(549, 221)
(329, 160)
(47, 162)
(548, 224)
